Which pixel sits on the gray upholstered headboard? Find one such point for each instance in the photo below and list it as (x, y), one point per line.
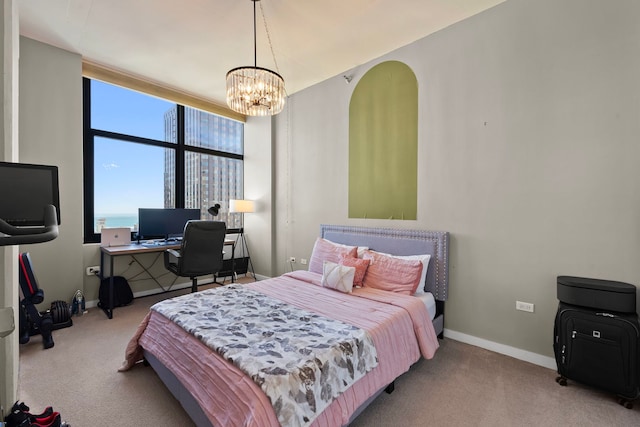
(401, 242)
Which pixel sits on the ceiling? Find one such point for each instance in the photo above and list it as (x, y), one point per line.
(189, 45)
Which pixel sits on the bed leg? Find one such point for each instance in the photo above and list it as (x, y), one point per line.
(390, 388)
(440, 311)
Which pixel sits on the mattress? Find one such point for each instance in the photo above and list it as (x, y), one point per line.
(429, 302)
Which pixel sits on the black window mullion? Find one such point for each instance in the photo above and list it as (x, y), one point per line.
(214, 153)
(131, 138)
(88, 190)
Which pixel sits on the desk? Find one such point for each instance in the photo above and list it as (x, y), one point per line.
(133, 250)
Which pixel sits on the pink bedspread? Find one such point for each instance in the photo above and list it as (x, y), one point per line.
(230, 398)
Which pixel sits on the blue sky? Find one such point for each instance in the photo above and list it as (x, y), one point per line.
(127, 176)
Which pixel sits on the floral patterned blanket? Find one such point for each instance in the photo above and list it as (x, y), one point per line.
(301, 360)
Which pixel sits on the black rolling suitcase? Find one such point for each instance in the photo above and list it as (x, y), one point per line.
(596, 336)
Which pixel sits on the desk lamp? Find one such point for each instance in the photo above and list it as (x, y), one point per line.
(214, 210)
(242, 207)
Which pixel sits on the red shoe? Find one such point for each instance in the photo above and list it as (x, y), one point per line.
(53, 420)
(21, 417)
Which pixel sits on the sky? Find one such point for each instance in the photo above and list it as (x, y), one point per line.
(127, 175)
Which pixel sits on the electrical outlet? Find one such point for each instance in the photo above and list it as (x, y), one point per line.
(524, 306)
(93, 271)
(292, 259)
(303, 261)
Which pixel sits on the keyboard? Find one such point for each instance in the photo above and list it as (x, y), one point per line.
(160, 243)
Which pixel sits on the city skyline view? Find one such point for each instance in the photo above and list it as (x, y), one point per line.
(130, 175)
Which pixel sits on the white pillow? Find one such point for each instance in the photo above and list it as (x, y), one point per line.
(338, 277)
(425, 264)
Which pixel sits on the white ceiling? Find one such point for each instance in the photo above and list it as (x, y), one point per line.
(190, 45)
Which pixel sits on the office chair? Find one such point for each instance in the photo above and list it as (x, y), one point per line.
(200, 253)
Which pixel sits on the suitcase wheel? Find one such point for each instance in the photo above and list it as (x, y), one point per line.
(626, 403)
(562, 381)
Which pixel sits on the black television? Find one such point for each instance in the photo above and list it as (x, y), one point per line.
(25, 191)
(154, 223)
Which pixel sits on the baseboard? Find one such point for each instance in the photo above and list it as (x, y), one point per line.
(154, 291)
(527, 356)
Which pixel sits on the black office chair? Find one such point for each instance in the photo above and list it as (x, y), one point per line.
(200, 253)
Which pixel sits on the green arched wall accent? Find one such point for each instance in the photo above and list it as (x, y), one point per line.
(383, 144)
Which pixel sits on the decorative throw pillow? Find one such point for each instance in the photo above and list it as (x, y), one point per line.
(360, 265)
(393, 274)
(338, 277)
(326, 250)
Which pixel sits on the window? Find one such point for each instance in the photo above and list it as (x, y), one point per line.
(144, 152)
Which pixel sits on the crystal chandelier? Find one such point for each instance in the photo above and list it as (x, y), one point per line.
(253, 90)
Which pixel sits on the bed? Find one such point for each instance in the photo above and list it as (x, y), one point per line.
(370, 324)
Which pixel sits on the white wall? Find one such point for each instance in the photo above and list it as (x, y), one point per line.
(258, 183)
(51, 134)
(528, 155)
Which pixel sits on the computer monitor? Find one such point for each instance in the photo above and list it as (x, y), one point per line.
(151, 223)
(154, 223)
(25, 191)
(177, 219)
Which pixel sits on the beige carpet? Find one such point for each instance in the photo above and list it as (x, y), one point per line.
(462, 386)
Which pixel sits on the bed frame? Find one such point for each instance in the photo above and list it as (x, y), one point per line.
(393, 241)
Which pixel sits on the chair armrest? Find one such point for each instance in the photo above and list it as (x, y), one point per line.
(173, 252)
(170, 263)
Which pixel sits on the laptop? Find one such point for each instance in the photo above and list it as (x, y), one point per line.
(116, 236)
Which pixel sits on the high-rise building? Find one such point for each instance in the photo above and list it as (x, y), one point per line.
(209, 178)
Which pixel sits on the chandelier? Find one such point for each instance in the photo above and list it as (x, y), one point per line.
(253, 90)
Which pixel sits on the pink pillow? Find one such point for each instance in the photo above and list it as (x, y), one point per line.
(392, 274)
(326, 250)
(361, 266)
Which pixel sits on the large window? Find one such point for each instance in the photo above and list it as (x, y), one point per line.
(145, 152)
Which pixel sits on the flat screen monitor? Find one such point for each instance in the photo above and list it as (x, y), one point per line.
(154, 223)
(25, 191)
(178, 218)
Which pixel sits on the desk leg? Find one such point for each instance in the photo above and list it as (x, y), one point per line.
(107, 310)
(110, 312)
(233, 263)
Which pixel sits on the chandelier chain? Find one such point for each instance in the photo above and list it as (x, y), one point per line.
(273, 54)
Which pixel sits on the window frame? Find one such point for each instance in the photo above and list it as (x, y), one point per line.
(180, 148)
